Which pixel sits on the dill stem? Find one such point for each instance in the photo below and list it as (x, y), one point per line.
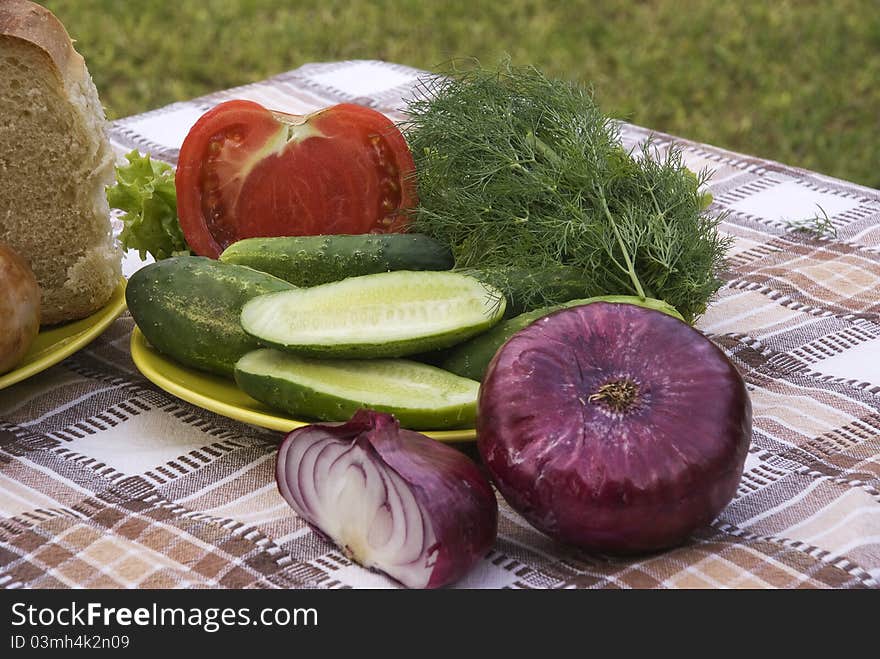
(629, 264)
(660, 213)
(543, 148)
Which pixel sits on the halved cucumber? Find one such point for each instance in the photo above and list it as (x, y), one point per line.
(390, 314)
(420, 396)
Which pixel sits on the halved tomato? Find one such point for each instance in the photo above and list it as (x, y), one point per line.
(245, 171)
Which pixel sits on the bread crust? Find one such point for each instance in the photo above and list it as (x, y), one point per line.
(30, 22)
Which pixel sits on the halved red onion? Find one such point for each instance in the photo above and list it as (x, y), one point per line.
(614, 427)
(391, 499)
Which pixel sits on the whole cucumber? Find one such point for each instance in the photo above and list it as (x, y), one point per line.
(313, 260)
(188, 308)
(471, 358)
(562, 283)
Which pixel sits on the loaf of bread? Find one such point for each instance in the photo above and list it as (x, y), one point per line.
(55, 161)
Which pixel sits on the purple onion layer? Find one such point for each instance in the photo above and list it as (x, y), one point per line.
(391, 499)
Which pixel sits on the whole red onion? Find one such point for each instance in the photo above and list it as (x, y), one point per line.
(393, 500)
(614, 427)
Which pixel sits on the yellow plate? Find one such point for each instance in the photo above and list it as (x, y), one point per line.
(220, 395)
(56, 343)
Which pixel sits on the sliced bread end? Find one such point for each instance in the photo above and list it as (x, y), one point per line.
(55, 161)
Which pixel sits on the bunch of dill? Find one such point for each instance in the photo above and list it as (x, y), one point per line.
(526, 180)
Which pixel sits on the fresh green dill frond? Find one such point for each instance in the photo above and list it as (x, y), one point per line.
(818, 225)
(527, 182)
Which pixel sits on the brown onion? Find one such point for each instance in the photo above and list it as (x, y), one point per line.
(19, 308)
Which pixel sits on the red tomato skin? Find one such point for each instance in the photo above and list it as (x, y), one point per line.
(245, 171)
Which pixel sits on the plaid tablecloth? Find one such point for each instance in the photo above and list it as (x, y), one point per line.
(107, 481)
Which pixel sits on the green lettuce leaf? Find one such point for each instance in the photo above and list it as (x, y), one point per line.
(145, 191)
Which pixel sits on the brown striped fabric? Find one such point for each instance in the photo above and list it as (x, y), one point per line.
(108, 481)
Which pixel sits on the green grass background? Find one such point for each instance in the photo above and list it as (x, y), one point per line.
(795, 81)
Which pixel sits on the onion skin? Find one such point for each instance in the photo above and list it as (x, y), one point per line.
(604, 475)
(457, 504)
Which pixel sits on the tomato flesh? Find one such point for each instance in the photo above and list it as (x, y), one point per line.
(245, 171)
